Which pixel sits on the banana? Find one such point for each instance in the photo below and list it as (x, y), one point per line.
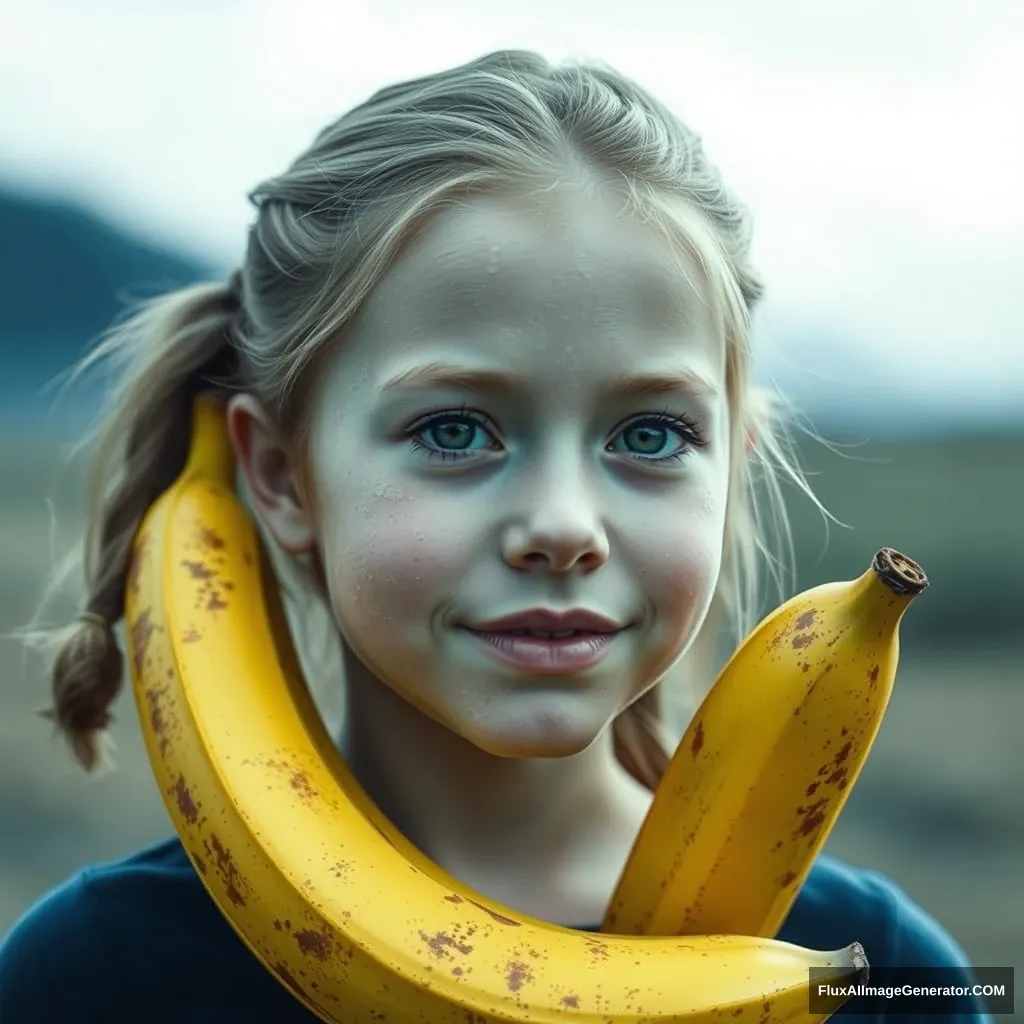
(336, 905)
(767, 763)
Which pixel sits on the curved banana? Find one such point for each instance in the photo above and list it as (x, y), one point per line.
(767, 763)
(279, 833)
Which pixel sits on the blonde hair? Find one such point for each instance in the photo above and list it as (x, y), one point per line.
(325, 232)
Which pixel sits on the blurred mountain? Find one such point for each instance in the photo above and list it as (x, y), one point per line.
(63, 269)
(65, 274)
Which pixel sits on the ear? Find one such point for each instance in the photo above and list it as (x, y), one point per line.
(270, 472)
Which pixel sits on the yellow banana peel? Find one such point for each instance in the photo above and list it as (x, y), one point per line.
(768, 761)
(315, 881)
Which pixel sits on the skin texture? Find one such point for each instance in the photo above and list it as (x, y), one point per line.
(529, 481)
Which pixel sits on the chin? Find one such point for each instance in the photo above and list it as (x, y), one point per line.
(541, 734)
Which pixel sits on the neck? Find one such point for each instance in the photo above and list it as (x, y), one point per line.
(547, 836)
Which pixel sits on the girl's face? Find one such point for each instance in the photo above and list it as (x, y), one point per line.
(519, 467)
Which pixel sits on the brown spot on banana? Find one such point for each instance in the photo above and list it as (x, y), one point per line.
(210, 540)
(198, 570)
(698, 738)
(156, 712)
(571, 1001)
(143, 629)
(186, 805)
(517, 974)
(813, 817)
(227, 869)
(301, 784)
(806, 620)
(443, 944)
(318, 944)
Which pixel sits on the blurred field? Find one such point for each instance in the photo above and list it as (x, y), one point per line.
(940, 807)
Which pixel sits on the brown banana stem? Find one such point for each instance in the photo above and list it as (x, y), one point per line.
(900, 574)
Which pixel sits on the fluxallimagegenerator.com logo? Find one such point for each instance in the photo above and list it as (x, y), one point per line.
(898, 991)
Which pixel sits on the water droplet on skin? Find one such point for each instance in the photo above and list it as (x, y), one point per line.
(388, 492)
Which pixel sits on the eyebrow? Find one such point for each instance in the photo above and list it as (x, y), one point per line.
(437, 374)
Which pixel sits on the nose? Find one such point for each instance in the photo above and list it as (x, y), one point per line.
(558, 527)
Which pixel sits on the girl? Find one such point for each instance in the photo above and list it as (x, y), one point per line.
(488, 361)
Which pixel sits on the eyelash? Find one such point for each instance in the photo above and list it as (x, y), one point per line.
(463, 414)
(688, 428)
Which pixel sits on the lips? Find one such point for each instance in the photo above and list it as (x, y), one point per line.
(549, 625)
(540, 642)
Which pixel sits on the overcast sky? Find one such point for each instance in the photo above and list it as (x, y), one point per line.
(879, 142)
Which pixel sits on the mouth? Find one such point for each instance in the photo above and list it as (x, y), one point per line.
(542, 634)
(548, 643)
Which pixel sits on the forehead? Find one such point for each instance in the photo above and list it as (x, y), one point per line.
(505, 257)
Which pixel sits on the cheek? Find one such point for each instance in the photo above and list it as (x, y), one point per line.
(390, 554)
(680, 555)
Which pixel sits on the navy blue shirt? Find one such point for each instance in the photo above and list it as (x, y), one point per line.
(139, 939)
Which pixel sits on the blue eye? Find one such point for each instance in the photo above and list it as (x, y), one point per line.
(452, 436)
(657, 438)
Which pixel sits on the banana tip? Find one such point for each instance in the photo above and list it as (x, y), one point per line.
(859, 962)
(900, 574)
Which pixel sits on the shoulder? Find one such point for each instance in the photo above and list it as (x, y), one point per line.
(62, 954)
(47, 958)
(840, 904)
(110, 939)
